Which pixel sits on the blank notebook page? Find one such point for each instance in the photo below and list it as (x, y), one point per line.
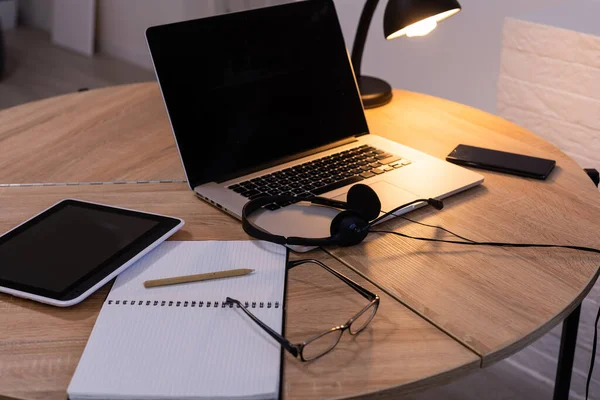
(179, 341)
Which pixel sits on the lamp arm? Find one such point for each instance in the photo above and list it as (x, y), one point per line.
(361, 35)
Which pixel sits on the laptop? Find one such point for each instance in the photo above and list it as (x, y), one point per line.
(265, 102)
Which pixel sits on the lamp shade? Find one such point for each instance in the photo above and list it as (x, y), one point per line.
(415, 17)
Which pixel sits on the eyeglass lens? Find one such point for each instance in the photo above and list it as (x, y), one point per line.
(321, 345)
(363, 319)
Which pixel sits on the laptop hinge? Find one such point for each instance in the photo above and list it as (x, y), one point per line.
(286, 159)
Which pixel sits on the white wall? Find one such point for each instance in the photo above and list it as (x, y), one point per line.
(121, 24)
(36, 13)
(460, 60)
(238, 5)
(550, 77)
(74, 25)
(8, 14)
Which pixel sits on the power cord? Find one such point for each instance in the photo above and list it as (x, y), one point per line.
(494, 244)
(470, 242)
(436, 227)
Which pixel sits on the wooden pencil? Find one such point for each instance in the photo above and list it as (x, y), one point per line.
(197, 277)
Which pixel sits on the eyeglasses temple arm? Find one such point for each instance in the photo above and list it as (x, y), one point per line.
(364, 292)
(280, 339)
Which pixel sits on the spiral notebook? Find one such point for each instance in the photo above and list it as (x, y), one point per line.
(181, 341)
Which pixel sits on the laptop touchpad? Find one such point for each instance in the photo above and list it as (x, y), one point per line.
(314, 221)
(297, 220)
(390, 196)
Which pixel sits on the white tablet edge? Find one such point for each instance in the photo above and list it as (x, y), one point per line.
(101, 283)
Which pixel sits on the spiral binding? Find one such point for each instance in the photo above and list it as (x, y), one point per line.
(191, 304)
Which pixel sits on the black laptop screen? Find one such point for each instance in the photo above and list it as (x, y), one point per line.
(245, 89)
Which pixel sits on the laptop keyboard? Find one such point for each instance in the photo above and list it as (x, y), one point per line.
(322, 175)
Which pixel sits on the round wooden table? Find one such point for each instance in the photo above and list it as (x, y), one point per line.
(446, 309)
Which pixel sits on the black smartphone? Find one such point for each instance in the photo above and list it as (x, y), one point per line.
(501, 161)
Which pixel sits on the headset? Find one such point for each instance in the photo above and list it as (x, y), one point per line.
(360, 212)
(348, 228)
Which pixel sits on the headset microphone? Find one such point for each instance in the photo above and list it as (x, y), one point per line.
(435, 203)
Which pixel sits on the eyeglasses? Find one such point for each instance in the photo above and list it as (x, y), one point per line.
(323, 343)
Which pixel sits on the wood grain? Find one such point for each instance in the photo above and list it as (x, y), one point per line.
(202, 221)
(496, 301)
(493, 301)
(113, 134)
(384, 361)
(399, 353)
(122, 133)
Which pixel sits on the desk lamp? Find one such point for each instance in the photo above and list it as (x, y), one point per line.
(402, 17)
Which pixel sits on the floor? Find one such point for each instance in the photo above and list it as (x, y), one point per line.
(37, 70)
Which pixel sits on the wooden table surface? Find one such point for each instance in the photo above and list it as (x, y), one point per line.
(446, 309)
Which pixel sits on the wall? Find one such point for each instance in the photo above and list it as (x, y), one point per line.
(36, 13)
(74, 25)
(238, 5)
(121, 24)
(550, 77)
(8, 14)
(459, 60)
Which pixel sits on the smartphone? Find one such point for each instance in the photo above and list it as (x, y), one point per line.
(501, 161)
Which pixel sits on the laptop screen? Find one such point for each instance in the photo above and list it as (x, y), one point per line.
(245, 89)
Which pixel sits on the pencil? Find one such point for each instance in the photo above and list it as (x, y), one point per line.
(197, 277)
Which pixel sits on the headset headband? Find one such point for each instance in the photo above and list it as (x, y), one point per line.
(261, 234)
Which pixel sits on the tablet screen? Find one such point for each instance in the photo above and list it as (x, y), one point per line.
(62, 246)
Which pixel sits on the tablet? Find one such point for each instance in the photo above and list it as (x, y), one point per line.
(73, 248)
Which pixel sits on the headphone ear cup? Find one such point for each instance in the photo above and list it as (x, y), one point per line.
(346, 228)
(362, 198)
